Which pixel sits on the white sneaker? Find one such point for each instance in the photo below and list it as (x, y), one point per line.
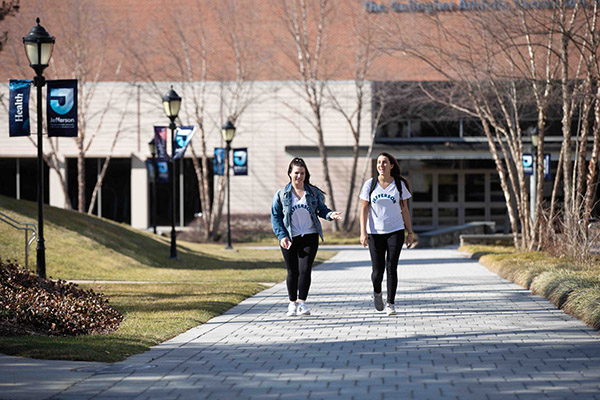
(291, 309)
(303, 309)
(390, 309)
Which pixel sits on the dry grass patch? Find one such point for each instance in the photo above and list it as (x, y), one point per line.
(572, 286)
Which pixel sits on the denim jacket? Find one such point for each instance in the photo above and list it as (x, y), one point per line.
(281, 210)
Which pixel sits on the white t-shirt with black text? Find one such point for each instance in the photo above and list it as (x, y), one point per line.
(302, 223)
(384, 214)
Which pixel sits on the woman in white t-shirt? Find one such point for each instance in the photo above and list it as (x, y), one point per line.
(384, 216)
(295, 213)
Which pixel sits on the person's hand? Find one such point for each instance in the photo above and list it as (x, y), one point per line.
(363, 239)
(286, 243)
(409, 240)
(336, 215)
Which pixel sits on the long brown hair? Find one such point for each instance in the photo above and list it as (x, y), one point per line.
(396, 172)
(298, 162)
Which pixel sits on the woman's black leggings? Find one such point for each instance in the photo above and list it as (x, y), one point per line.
(299, 259)
(385, 252)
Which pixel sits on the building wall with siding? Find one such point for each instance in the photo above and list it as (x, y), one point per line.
(277, 117)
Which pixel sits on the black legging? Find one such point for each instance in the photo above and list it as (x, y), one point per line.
(385, 252)
(299, 260)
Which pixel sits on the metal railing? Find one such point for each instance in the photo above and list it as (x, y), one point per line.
(22, 226)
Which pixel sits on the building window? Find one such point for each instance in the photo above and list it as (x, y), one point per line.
(421, 185)
(475, 187)
(448, 188)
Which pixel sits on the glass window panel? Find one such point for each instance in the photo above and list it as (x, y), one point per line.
(472, 127)
(479, 164)
(448, 187)
(8, 178)
(393, 130)
(421, 186)
(475, 187)
(496, 193)
(422, 216)
(448, 216)
(474, 214)
(499, 217)
(440, 128)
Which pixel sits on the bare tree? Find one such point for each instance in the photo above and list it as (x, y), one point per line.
(508, 65)
(81, 29)
(190, 44)
(7, 8)
(102, 174)
(365, 49)
(307, 24)
(82, 55)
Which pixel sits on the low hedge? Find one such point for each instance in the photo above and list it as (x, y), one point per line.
(32, 305)
(569, 285)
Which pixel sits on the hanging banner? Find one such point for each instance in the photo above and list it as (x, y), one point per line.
(18, 108)
(61, 108)
(183, 136)
(160, 141)
(151, 170)
(163, 171)
(240, 161)
(528, 165)
(547, 164)
(162, 159)
(219, 161)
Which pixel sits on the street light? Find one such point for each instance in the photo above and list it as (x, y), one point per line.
(533, 135)
(152, 147)
(228, 132)
(172, 103)
(38, 47)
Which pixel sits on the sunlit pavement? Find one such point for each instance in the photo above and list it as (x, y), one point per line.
(461, 332)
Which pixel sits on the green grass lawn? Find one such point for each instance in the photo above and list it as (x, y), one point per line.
(571, 286)
(178, 294)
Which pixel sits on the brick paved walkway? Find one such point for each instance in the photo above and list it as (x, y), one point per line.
(461, 333)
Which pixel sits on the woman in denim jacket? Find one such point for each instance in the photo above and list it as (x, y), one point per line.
(295, 216)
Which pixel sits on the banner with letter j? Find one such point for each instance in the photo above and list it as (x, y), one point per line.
(240, 161)
(18, 109)
(183, 136)
(61, 107)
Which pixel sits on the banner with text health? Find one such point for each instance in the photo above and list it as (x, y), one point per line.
(61, 107)
(18, 109)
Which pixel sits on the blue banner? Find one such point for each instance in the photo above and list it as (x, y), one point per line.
(18, 108)
(547, 164)
(528, 164)
(61, 108)
(162, 160)
(183, 136)
(240, 161)
(163, 171)
(160, 140)
(219, 161)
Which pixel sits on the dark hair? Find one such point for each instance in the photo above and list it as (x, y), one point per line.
(298, 162)
(396, 172)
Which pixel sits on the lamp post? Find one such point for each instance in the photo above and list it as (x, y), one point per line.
(38, 47)
(533, 134)
(171, 103)
(152, 147)
(228, 132)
